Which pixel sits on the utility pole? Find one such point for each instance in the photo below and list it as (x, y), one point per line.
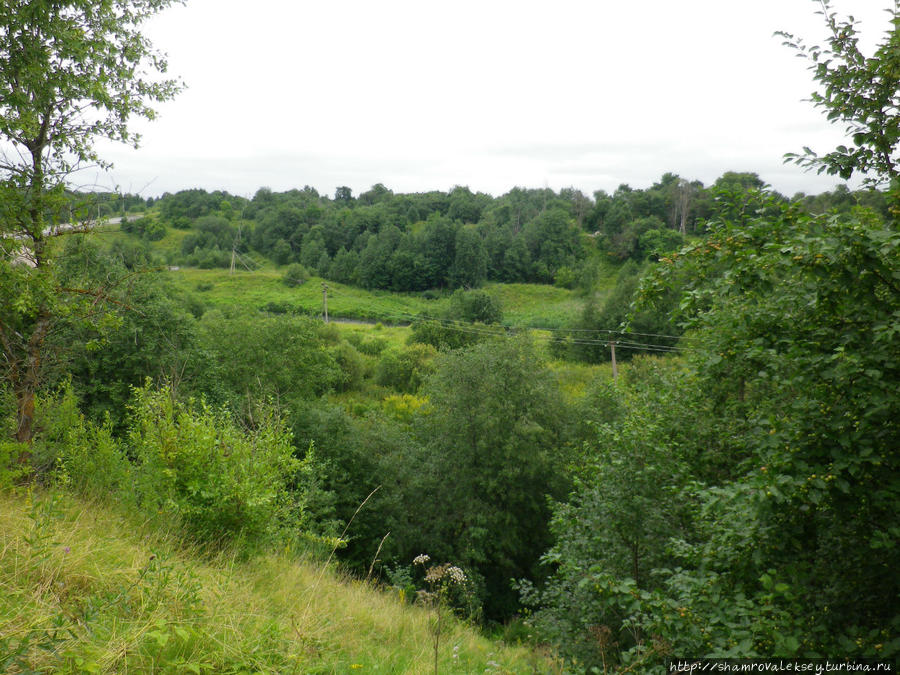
(234, 243)
(612, 349)
(325, 299)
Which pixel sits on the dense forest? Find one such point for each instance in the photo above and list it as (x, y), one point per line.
(732, 492)
(437, 240)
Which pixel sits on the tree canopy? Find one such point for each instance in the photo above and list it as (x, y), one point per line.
(71, 72)
(861, 92)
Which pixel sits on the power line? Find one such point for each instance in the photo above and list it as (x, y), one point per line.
(503, 331)
(624, 341)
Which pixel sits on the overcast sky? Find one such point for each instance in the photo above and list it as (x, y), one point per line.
(424, 95)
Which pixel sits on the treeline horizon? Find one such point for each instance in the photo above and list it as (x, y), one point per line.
(444, 240)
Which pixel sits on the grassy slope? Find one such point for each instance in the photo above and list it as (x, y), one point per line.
(253, 290)
(527, 305)
(524, 305)
(95, 592)
(536, 305)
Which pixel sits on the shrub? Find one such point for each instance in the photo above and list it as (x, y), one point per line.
(352, 366)
(403, 407)
(372, 346)
(222, 483)
(475, 306)
(295, 275)
(405, 370)
(565, 277)
(654, 243)
(11, 470)
(448, 334)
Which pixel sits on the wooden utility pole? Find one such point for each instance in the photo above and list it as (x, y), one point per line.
(612, 349)
(234, 243)
(325, 299)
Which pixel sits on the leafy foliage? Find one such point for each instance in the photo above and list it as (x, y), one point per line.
(261, 356)
(145, 333)
(71, 73)
(295, 275)
(862, 92)
(632, 496)
(405, 370)
(221, 482)
(492, 443)
(475, 306)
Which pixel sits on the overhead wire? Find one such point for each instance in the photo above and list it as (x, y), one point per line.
(504, 330)
(624, 341)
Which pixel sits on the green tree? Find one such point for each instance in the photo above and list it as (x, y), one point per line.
(516, 262)
(71, 72)
(493, 447)
(860, 92)
(259, 356)
(629, 502)
(470, 261)
(295, 275)
(795, 319)
(152, 338)
(475, 306)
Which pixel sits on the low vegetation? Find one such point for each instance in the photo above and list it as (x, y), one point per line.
(87, 589)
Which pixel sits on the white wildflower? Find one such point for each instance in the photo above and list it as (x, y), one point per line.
(457, 576)
(421, 559)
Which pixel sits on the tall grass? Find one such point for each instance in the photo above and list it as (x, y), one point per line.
(85, 589)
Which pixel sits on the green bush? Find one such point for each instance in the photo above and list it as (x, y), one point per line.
(352, 366)
(406, 369)
(372, 347)
(222, 483)
(295, 275)
(475, 306)
(11, 470)
(68, 449)
(261, 355)
(448, 334)
(146, 227)
(654, 243)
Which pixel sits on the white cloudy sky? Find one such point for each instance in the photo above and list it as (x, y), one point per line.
(422, 95)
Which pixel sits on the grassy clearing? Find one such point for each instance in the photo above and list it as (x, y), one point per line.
(536, 305)
(263, 289)
(526, 305)
(394, 336)
(575, 378)
(85, 590)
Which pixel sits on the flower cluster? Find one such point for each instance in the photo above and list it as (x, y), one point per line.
(457, 576)
(437, 573)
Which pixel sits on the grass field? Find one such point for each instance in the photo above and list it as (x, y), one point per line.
(86, 590)
(263, 289)
(536, 305)
(524, 305)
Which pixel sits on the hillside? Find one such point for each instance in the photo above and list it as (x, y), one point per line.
(84, 589)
